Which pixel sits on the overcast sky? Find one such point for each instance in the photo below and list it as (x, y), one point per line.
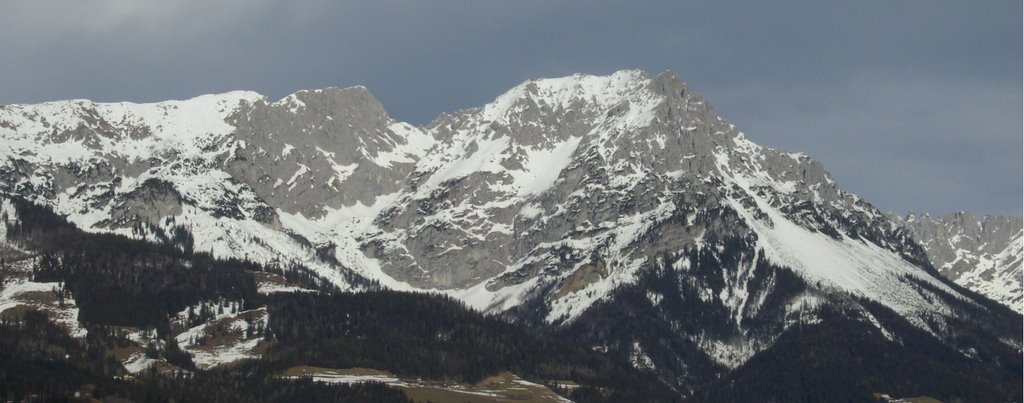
(915, 105)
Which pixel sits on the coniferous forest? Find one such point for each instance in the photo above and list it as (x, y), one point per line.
(119, 282)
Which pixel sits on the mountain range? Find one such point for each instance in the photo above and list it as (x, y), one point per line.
(616, 211)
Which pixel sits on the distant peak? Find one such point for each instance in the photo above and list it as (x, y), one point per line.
(667, 84)
(356, 91)
(230, 96)
(215, 98)
(349, 102)
(632, 75)
(601, 91)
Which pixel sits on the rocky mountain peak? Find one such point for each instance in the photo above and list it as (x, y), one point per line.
(668, 84)
(354, 104)
(317, 150)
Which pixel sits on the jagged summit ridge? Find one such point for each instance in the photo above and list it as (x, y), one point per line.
(579, 91)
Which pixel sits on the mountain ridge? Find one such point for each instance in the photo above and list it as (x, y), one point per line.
(545, 206)
(619, 93)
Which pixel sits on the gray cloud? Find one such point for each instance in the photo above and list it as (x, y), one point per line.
(915, 105)
(899, 139)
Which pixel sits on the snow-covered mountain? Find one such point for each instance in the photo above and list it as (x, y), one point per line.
(549, 206)
(983, 255)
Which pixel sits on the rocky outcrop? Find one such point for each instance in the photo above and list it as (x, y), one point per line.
(321, 149)
(150, 202)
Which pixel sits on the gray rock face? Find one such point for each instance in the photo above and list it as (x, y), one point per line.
(318, 149)
(983, 255)
(151, 202)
